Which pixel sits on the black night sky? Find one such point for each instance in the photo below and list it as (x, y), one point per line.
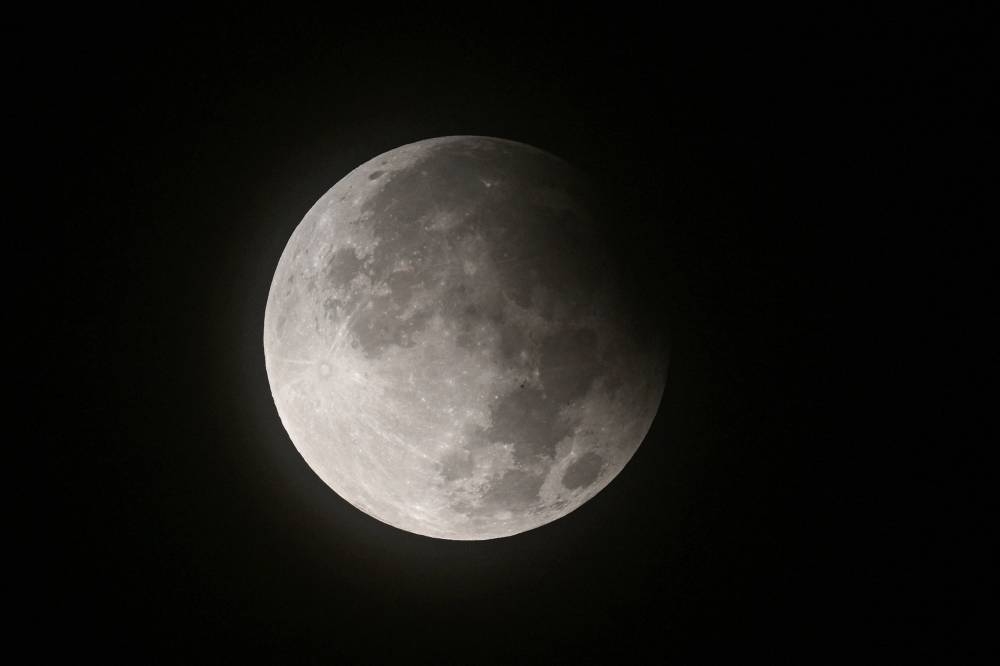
(188, 528)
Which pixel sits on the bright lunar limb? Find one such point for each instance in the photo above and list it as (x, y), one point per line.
(451, 345)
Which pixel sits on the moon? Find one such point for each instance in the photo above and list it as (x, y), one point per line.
(453, 347)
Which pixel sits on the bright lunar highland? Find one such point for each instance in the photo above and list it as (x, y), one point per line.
(452, 345)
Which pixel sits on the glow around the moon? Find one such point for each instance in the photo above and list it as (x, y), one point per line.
(448, 345)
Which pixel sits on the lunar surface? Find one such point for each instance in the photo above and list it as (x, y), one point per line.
(451, 345)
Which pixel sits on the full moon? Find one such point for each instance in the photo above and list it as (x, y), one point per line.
(453, 346)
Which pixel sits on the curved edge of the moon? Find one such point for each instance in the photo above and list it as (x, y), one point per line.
(590, 496)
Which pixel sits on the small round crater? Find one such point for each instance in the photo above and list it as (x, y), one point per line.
(324, 369)
(375, 174)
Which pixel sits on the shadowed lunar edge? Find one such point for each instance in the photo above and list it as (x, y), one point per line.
(449, 342)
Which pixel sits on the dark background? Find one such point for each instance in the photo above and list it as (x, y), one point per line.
(186, 527)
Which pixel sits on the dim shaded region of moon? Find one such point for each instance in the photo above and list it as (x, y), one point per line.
(450, 344)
